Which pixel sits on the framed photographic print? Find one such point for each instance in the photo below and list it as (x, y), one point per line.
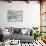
(15, 15)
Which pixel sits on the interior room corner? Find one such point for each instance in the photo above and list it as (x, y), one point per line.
(22, 22)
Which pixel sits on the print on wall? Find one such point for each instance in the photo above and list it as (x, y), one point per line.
(15, 15)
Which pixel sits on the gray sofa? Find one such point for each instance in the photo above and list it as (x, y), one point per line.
(22, 38)
(17, 35)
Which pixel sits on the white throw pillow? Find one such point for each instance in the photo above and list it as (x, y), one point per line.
(23, 31)
(5, 32)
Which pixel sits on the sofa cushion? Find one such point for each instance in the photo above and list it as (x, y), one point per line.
(20, 37)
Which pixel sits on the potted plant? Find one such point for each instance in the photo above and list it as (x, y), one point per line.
(35, 30)
(36, 33)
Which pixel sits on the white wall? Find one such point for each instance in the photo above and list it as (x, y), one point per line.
(31, 14)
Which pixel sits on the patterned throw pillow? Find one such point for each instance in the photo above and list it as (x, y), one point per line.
(11, 30)
(17, 30)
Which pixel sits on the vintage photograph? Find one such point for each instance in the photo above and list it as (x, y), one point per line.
(15, 15)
